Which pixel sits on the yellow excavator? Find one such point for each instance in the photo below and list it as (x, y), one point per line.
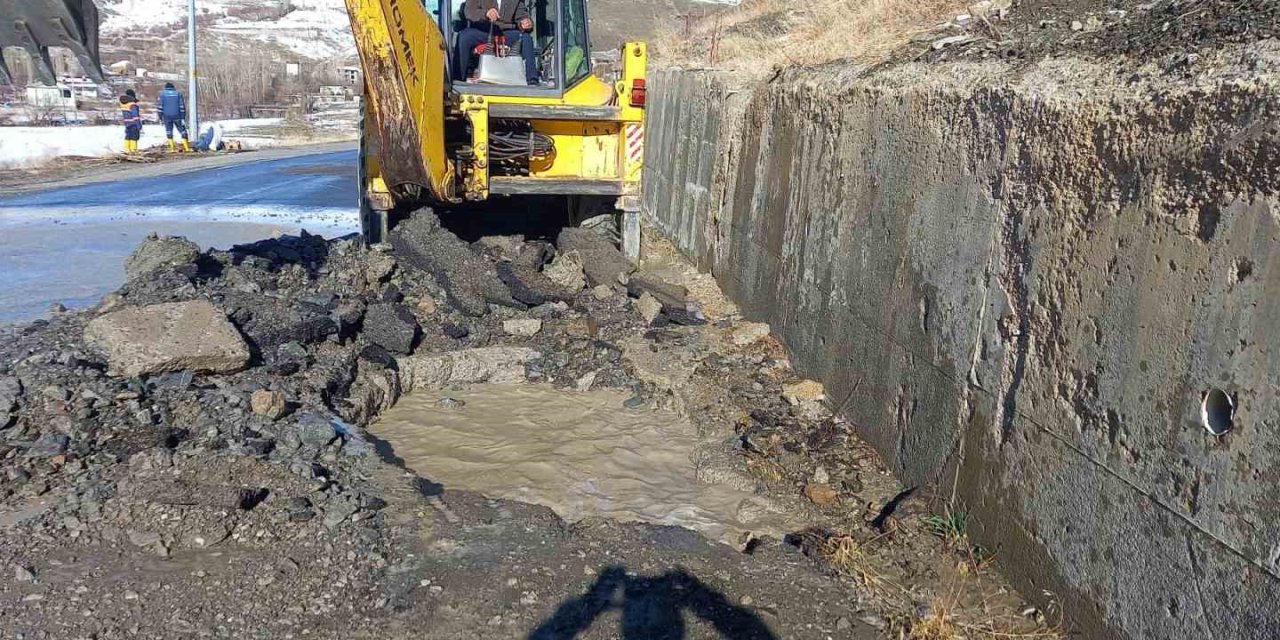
(441, 136)
(438, 136)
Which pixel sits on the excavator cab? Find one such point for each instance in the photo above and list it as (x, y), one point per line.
(431, 137)
(555, 23)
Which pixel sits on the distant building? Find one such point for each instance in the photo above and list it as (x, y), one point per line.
(59, 97)
(292, 69)
(52, 104)
(82, 87)
(333, 95)
(350, 75)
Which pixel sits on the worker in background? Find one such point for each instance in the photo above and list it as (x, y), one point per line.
(510, 18)
(172, 109)
(210, 139)
(131, 116)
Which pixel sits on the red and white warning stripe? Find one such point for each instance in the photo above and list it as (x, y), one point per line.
(635, 142)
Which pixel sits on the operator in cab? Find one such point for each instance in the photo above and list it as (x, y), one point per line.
(485, 18)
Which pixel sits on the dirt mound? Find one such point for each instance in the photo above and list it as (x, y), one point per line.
(1166, 31)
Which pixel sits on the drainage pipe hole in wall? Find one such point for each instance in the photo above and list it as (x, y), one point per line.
(1217, 412)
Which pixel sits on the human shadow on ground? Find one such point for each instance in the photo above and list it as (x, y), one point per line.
(652, 609)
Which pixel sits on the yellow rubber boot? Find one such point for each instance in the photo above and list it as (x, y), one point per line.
(186, 145)
(173, 146)
(129, 146)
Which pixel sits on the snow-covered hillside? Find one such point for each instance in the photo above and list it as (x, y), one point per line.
(320, 28)
(309, 28)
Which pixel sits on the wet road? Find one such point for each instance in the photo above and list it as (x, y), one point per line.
(68, 245)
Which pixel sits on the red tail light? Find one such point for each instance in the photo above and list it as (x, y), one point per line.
(638, 93)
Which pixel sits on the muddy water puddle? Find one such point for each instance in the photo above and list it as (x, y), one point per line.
(580, 454)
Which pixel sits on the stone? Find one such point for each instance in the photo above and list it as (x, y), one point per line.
(648, 307)
(338, 510)
(451, 404)
(530, 286)
(56, 393)
(804, 391)
(587, 381)
(522, 327)
(391, 295)
(506, 248)
(392, 327)
(378, 267)
(749, 333)
(467, 366)
(269, 404)
(143, 538)
(316, 429)
(160, 252)
(49, 445)
(470, 280)
(10, 391)
(163, 338)
(821, 494)
(23, 574)
(602, 292)
(820, 475)
(427, 305)
(299, 510)
(601, 261)
(268, 323)
(1076, 25)
(566, 270)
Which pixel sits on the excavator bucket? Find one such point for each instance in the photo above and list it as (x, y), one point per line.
(36, 25)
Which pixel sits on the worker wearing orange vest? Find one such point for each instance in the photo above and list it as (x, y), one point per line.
(131, 116)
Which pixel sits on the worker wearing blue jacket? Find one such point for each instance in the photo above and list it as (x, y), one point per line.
(131, 117)
(172, 109)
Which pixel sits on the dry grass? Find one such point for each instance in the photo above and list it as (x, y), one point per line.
(765, 468)
(948, 619)
(850, 557)
(960, 611)
(759, 35)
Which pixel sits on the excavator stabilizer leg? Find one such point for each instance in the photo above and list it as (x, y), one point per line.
(36, 25)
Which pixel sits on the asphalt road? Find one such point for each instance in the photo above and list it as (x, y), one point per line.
(68, 244)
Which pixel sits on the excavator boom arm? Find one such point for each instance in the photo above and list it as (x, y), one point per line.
(36, 25)
(404, 58)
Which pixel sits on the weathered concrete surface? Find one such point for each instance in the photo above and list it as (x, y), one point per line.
(1019, 287)
(179, 336)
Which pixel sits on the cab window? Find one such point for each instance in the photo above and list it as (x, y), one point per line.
(577, 46)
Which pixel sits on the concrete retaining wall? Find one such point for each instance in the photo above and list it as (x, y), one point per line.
(1020, 288)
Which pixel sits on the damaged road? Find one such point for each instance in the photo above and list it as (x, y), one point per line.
(191, 457)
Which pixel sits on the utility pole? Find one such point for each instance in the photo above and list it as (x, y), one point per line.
(192, 89)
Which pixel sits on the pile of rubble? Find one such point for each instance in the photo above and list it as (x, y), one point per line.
(274, 350)
(220, 396)
(189, 457)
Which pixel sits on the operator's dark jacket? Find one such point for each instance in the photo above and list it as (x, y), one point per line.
(509, 15)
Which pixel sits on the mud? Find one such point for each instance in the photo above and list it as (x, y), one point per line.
(582, 454)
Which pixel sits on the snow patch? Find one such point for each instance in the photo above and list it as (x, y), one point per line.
(30, 146)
